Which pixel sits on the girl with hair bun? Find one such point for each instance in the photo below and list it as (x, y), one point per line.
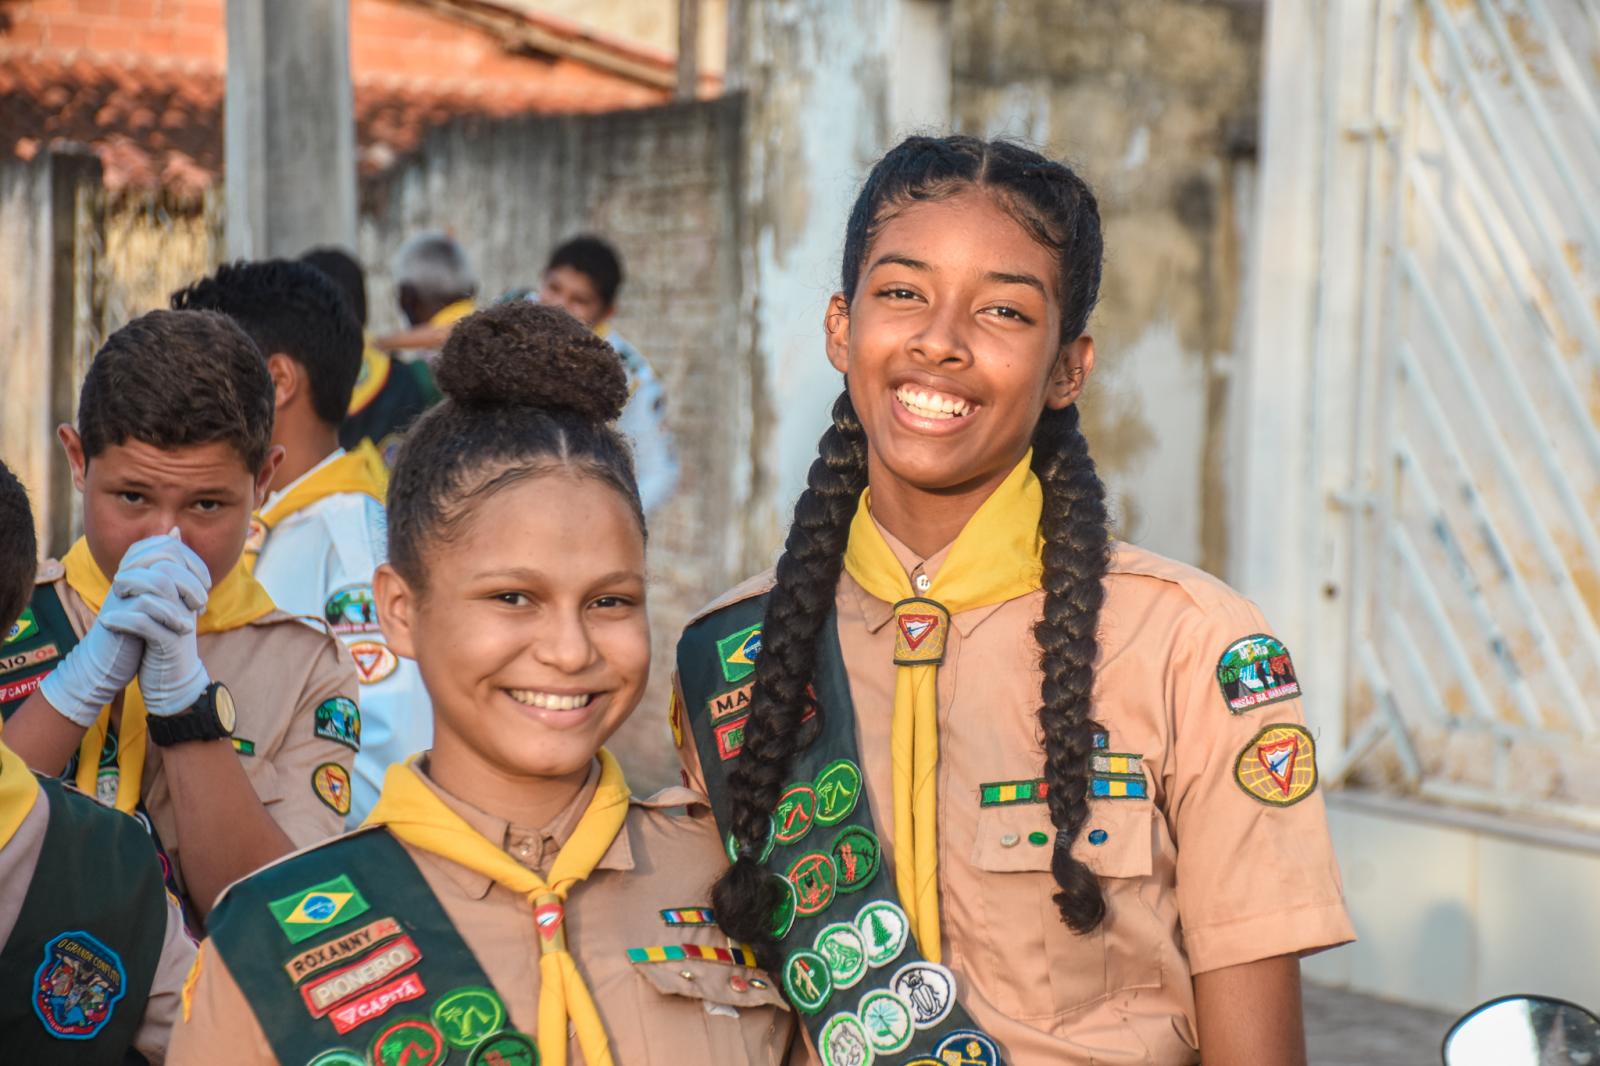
(506, 890)
(1056, 791)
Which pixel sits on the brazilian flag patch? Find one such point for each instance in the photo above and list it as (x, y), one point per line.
(318, 908)
(738, 652)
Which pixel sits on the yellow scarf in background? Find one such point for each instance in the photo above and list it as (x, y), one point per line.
(360, 470)
(449, 316)
(236, 601)
(18, 792)
(998, 557)
(415, 813)
(374, 375)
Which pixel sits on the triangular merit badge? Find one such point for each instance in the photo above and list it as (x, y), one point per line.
(1278, 761)
(921, 626)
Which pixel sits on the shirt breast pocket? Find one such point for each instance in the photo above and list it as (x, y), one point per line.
(1039, 969)
(735, 1008)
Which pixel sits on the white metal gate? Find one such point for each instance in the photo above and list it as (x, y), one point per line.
(1437, 328)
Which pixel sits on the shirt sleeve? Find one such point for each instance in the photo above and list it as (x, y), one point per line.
(1256, 874)
(166, 991)
(217, 1024)
(315, 770)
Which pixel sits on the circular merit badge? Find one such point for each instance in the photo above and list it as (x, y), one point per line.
(884, 929)
(968, 1046)
(766, 851)
(887, 1020)
(412, 1041)
(338, 1057)
(331, 782)
(796, 809)
(505, 1048)
(806, 981)
(841, 947)
(1279, 766)
(782, 919)
(929, 988)
(855, 857)
(838, 787)
(77, 986)
(466, 1015)
(814, 880)
(844, 1042)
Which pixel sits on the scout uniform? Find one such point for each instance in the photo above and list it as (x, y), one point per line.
(290, 682)
(449, 932)
(644, 422)
(1205, 743)
(314, 547)
(89, 966)
(389, 395)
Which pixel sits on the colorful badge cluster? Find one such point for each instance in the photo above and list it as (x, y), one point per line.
(361, 974)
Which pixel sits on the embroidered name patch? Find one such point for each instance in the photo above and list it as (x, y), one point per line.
(921, 629)
(738, 653)
(352, 610)
(309, 912)
(331, 782)
(77, 986)
(728, 704)
(738, 955)
(1255, 671)
(1279, 766)
(32, 657)
(374, 661)
(22, 689)
(324, 993)
(339, 720)
(316, 959)
(688, 916)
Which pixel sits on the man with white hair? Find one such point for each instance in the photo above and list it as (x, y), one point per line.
(436, 282)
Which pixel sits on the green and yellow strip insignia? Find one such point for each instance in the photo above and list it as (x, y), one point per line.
(737, 955)
(1006, 793)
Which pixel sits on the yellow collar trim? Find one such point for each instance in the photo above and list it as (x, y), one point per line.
(19, 791)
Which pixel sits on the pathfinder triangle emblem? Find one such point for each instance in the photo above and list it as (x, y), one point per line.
(921, 628)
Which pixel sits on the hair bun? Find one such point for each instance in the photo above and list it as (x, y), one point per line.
(524, 354)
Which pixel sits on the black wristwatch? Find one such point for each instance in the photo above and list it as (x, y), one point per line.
(210, 717)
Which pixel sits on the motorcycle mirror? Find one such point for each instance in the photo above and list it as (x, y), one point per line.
(1524, 1031)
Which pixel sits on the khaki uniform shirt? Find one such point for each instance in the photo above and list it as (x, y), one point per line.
(1197, 876)
(278, 670)
(18, 860)
(655, 1013)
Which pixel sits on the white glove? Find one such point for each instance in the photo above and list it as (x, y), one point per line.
(102, 665)
(166, 592)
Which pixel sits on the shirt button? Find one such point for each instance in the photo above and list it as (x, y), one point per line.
(687, 975)
(1098, 837)
(1009, 840)
(738, 984)
(1038, 839)
(923, 582)
(756, 982)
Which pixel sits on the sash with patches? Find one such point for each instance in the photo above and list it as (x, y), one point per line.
(45, 634)
(76, 970)
(851, 967)
(334, 946)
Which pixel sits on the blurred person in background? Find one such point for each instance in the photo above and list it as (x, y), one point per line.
(583, 278)
(435, 285)
(389, 393)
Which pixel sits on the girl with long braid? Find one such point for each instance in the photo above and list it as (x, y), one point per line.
(996, 787)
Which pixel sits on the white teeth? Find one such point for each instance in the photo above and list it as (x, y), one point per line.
(933, 405)
(549, 701)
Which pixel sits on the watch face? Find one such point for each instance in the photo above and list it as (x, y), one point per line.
(225, 712)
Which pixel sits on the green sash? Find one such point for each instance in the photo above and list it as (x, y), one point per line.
(76, 971)
(851, 967)
(346, 948)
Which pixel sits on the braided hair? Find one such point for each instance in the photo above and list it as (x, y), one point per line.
(1058, 209)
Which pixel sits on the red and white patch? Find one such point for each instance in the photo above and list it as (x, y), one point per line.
(374, 661)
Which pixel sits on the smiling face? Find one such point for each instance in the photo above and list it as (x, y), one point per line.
(531, 635)
(952, 345)
(135, 490)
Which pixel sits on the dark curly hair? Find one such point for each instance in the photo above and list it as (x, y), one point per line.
(171, 379)
(1059, 210)
(595, 260)
(19, 548)
(527, 387)
(294, 309)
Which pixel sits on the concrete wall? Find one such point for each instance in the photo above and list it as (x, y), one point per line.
(661, 184)
(1155, 102)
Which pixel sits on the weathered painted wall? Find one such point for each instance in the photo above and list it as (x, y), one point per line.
(1155, 101)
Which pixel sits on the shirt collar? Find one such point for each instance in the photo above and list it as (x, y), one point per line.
(533, 848)
(281, 493)
(876, 614)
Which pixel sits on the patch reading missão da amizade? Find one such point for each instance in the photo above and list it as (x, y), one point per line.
(1255, 671)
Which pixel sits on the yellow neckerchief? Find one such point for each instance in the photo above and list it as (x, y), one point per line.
(414, 813)
(236, 601)
(453, 313)
(359, 470)
(998, 557)
(18, 792)
(374, 375)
